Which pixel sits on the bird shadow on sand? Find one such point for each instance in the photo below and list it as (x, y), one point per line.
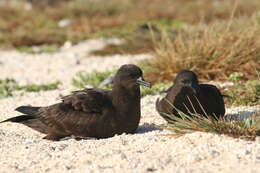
(146, 127)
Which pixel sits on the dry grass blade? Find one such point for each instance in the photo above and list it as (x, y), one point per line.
(191, 105)
(200, 105)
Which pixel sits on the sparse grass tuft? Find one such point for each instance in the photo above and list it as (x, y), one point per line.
(245, 129)
(9, 86)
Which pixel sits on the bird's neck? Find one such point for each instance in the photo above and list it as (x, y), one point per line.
(128, 107)
(123, 97)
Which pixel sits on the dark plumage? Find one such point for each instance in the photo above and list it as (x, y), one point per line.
(186, 86)
(90, 112)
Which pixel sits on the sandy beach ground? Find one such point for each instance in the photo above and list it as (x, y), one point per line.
(149, 150)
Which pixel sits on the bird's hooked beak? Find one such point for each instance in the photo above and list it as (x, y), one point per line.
(141, 81)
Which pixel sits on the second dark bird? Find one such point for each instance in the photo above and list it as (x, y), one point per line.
(190, 97)
(90, 112)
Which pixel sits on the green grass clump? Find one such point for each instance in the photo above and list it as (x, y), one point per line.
(245, 129)
(9, 86)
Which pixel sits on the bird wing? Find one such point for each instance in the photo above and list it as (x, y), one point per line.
(212, 90)
(214, 97)
(78, 113)
(163, 107)
(87, 100)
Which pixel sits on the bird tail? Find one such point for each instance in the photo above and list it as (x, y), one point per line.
(28, 110)
(19, 119)
(30, 119)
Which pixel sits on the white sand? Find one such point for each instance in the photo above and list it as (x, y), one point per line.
(24, 150)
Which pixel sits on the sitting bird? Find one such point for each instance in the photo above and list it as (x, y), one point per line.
(91, 112)
(190, 97)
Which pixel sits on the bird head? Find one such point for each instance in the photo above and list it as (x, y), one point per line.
(131, 76)
(187, 79)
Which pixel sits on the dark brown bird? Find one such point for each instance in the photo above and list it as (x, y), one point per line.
(91, 112)
(190, 97)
